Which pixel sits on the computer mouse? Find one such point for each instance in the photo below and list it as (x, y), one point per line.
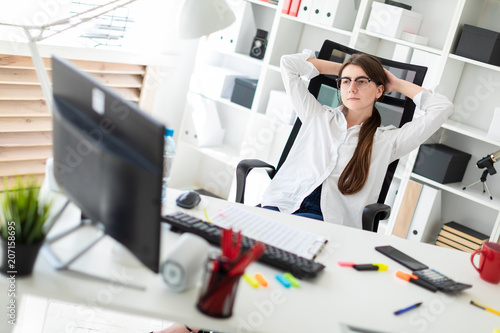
(188, 199)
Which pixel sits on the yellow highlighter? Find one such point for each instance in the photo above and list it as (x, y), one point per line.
(251, 280)
(381, 267)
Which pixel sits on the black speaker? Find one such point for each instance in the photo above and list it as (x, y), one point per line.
(259, 44)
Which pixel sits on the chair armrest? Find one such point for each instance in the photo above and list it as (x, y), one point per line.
(242, 170)
(373, 213)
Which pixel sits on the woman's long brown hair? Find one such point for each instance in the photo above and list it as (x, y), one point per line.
(355, 174)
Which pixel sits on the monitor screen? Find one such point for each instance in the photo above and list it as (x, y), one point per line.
(108, 159)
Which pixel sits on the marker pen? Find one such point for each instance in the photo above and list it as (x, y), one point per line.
(415, 280)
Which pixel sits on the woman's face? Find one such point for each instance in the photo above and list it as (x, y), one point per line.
(360, 96)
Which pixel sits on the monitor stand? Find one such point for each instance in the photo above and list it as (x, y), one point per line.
(59, 264)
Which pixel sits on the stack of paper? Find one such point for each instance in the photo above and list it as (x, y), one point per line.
(300, 242)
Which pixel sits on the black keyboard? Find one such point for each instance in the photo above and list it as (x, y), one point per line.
(300, 267)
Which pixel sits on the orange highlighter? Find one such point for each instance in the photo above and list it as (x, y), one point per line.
(415, 280)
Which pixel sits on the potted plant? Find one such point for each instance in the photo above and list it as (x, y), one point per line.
(23, 216)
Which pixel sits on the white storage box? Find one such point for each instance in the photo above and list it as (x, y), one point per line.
(239, 35)
(280, 108)
(202, 125)
(414, 38)
(393, 21)
(494, 132)
(213, 81)
(333, 13)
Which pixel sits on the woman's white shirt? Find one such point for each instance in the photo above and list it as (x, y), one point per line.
(324, 146)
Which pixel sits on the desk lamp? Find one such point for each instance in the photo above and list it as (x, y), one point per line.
(486, 162)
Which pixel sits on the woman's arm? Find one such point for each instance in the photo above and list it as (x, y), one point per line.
(409, 89)
(325, 66)
(293, 68)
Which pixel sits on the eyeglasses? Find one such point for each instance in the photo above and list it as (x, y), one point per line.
(361, 82)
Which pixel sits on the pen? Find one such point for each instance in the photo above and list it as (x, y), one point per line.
(485, 308)
(407, 309)
(415, 280)
(238, 268)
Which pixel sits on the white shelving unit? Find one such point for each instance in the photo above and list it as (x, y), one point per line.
(473, 86)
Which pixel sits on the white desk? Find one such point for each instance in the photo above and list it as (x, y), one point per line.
(337, 295)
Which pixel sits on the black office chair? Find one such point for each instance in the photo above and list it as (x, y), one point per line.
(394, 108)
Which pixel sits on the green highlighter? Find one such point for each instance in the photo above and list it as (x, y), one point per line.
(293, 281)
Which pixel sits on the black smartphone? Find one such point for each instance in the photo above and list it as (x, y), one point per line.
(401, 257)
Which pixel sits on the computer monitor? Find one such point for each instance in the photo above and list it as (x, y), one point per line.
(108, 160)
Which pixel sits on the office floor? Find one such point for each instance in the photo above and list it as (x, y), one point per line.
(50, 316)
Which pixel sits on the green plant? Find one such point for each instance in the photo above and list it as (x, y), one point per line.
(22, 208)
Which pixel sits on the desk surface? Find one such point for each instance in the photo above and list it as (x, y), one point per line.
(337, 295)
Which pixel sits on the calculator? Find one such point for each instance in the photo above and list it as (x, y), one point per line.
(422, 271)
(441, 281)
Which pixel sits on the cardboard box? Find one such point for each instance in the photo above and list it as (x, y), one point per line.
(392, 21)
(479, 44)
(441, 163)
(244, 91)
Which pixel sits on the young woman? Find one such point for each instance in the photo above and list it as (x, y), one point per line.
(339, 159)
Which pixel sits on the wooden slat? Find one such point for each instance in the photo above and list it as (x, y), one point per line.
(24, 139)
(89, 66)
(120, 80)
(130, 94)
(34, 93)
(29, 77)
(23, 108)
(22, 124)
(25, 121)
(149, 88)
(19, 76)
(111, 68)
(25, 153)
(18, 92)
(13, 61)
(13, 168)
(12, 180)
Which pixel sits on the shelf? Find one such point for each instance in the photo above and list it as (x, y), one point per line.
(275, 68)
(245, 57)
(469, 131)
(474, 194)
(289, 34)
(402, 42)
(317, 25)
(224, 153)
(224, 101)
(475, 62)
(228, 102)
(263, 3)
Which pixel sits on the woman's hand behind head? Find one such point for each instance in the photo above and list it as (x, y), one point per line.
(392, 82)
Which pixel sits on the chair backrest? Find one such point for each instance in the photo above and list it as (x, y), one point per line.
(394, 108)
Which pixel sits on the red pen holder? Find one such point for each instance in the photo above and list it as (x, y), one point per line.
(218, 291)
